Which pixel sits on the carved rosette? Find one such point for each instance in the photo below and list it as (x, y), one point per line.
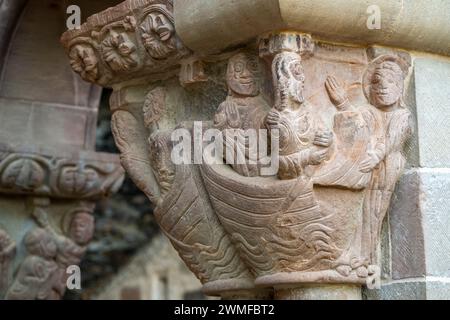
(139, 38)
(337, 115)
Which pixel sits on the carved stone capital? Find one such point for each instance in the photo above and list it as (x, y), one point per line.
(336, 122)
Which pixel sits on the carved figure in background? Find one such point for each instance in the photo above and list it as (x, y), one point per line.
(243, 109)
(38, 272)
(302, 140)
(42, 275)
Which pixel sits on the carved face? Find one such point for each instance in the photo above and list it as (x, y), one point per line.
(386, 85)
(119, 52)
(243, 74)
(158, 35)
(289, 79)
(82, 228)
(84, 61)
(296, 80)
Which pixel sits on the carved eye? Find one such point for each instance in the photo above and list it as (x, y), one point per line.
(297, 71)
(376, 79)
(239, 67)
(253, 65)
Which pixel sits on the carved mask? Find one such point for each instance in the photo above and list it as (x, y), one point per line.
(82, 228)
(386, 85)
(242, 75)
(158, 35)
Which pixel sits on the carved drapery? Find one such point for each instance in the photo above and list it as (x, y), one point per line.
(336, 113)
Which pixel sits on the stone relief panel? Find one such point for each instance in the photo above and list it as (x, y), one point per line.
(50, 250)
(28, 173)
(336, 122)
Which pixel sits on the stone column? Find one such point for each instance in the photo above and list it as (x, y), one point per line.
(302, 220)
(50, 174)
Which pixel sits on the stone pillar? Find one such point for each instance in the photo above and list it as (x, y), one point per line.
(50, 174)
(304, 219)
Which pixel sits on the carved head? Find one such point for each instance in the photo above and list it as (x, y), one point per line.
(119, 51)
(242, 75)
(387, 84)
(158, 32)
(82, 228)
(289, 80)
(84, 61)
(40, 243)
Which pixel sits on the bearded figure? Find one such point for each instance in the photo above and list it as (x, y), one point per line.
(158, 33)
(302, 140)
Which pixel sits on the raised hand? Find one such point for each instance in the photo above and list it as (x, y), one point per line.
(336, 92)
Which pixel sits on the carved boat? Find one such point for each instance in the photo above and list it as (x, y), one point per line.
(277, 225)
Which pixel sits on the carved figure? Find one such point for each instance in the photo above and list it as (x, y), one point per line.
(243, 109)
(302, 141)
(36, 275)
(391, 126)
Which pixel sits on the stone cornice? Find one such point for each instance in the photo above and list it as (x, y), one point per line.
(417, 25)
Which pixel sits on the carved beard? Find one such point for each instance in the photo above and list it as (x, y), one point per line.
(157, 48)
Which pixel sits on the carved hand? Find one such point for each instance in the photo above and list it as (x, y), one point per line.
(273, 119)
(336, 92)
(318, 156)
(369, 163)
(323, 139)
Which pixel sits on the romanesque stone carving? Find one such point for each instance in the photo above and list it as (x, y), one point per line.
(84, 62)
(158, 32)
(338, 118)
(42, 275)
(243, 109)
(27, 173)
(139, 38)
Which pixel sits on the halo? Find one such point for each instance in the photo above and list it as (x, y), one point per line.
(367, 77)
